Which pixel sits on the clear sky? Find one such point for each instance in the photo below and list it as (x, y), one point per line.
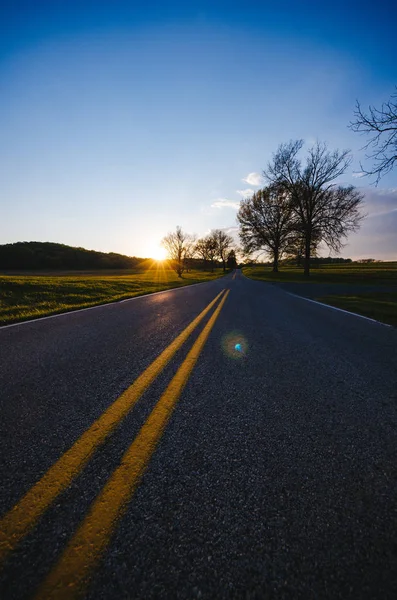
(120, 120)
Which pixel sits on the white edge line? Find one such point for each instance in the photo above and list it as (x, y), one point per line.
(325, 305)
(72, 312)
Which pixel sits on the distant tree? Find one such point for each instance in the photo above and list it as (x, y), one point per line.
(174, 243)
(201, 250)
(190, 250)
(231, 260)
(52, 256)
(381, 125)
(322, 211)
(266, 222)
(223, 244)
(212, 249)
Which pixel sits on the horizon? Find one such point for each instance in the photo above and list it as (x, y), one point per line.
(121, 122)
(265, 261)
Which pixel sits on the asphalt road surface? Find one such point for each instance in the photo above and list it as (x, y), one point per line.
(195, 445)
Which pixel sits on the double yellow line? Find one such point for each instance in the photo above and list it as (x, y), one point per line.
(68, 578)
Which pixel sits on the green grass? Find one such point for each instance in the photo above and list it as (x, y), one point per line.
(380, 306)
(383, 273)
(30, 295)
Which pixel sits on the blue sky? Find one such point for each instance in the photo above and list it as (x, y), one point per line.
(120, 120)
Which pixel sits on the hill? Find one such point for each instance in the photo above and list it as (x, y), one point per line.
(49, 255)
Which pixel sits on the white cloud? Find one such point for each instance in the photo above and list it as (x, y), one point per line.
(377, 235)
(253, 179)
(245, 193)
(225, 203)
(358, 174)
(379, 201)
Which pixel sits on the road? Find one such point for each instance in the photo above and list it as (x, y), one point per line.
(190, 445)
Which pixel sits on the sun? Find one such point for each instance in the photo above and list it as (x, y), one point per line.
(158, 253)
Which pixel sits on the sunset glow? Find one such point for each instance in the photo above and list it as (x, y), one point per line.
(158, 253)
(144, 162)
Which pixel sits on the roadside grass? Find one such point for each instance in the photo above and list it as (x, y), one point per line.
(382, 273)
(26, 295)
(381, 306)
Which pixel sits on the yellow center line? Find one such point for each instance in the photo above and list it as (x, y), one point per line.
(24, 515)
(69, 577)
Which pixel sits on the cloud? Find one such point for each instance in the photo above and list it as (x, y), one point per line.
(233, 232)
(384, 224)
(311, 141)
(232, 229)
(253, 179)
(377, 235)
(225, 203)
(245, 193)
(358, 174)
(379, 201)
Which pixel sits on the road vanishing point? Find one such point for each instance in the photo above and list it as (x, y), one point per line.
(224, 440)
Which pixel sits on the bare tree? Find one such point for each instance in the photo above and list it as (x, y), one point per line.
(190, 250)
(296, 248)
(232, 260)
(381, 125)
(201, 250)
(266, 222)
(322, 211)
(174, 243)
(206, 249)
(212, 249)
(223, 245)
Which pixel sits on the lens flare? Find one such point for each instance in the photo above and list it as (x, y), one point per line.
(235, 345)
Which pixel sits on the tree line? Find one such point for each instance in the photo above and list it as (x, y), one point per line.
(49, 255)
(185, 249)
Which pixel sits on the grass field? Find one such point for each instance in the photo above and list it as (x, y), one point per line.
(29, 295)
(384, 273)
(379, 305)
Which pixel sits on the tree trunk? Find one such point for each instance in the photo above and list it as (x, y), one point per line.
(275, 262)
(224, 266)
(307, 255)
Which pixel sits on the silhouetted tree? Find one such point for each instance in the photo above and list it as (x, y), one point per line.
(212, 249)
(266, 222)
(321, 210)
(381, 125)
(174, 243)
(296, 248)
(231, 260)
(190, 250)
(223, 243)
(201, 250)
